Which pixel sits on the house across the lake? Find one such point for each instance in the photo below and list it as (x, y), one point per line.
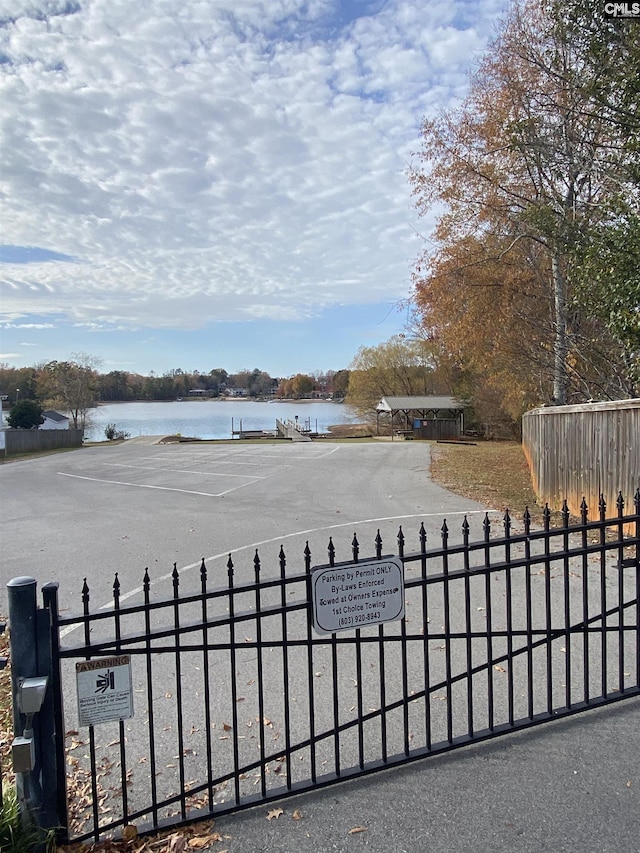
(54, 420)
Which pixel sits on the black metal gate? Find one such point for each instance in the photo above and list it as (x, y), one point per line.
(238, 701)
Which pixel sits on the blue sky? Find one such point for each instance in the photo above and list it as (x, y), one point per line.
(217, 183)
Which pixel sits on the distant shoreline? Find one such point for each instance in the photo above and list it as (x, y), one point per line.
(221, 400)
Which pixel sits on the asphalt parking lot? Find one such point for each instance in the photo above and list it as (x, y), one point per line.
(123, 508)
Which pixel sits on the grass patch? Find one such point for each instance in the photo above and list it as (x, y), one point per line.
(495, 474)
(15, 837)
(36, 454)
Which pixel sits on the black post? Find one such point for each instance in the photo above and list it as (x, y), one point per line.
(24, 664)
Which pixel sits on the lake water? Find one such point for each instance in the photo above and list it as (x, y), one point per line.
(212, 418)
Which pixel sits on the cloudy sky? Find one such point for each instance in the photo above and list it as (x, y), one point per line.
(217, 183)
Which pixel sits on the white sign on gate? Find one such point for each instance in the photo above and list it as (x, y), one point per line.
(104, 690)
(353, 595)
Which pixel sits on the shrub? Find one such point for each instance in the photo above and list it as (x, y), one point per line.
(112, 432)
(25, 414)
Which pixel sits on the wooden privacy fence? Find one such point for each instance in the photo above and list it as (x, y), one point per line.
(31, 440)
(584, 451)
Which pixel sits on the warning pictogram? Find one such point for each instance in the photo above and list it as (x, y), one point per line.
(104, 690)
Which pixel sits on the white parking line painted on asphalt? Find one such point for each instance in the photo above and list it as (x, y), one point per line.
(277, 453)
(160, 488)
(254, 477)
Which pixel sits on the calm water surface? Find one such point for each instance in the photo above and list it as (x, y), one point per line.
(211, 418)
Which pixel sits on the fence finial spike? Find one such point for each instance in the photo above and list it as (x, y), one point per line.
(584, 510)
(422, 535)
(602, 506)
(378, 544)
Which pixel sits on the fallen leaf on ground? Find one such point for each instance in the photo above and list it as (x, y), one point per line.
(274, 813)
(177, 844)
(204, 841)
(297, 814)
(357, 829)
(129, 832)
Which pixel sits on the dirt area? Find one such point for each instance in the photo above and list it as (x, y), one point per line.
(350, 431)
(495, 473)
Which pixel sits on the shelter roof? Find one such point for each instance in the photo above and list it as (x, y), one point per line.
(407, 404)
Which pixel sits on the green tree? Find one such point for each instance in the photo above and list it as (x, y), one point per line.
(17, 383)
(113, 385)
(607, 284)
(218, 379)
(340, 383)
(25, 414)
(400, 366)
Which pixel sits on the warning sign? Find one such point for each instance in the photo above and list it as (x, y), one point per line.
(104, 688)
(357, 594)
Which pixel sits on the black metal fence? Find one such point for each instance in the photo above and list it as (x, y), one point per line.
(238, 701)
(3, 663)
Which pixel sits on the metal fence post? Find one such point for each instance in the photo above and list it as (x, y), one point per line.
(3, 662)
(24, 664)
(52, 731)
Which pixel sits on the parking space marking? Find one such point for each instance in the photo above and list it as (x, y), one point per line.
(161, 488)
(254, 477)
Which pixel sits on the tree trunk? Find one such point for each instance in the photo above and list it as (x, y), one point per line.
(560, 344)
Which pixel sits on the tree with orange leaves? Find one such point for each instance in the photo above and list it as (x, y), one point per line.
(529, 169)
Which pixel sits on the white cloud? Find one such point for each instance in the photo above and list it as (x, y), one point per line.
(208, 159)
